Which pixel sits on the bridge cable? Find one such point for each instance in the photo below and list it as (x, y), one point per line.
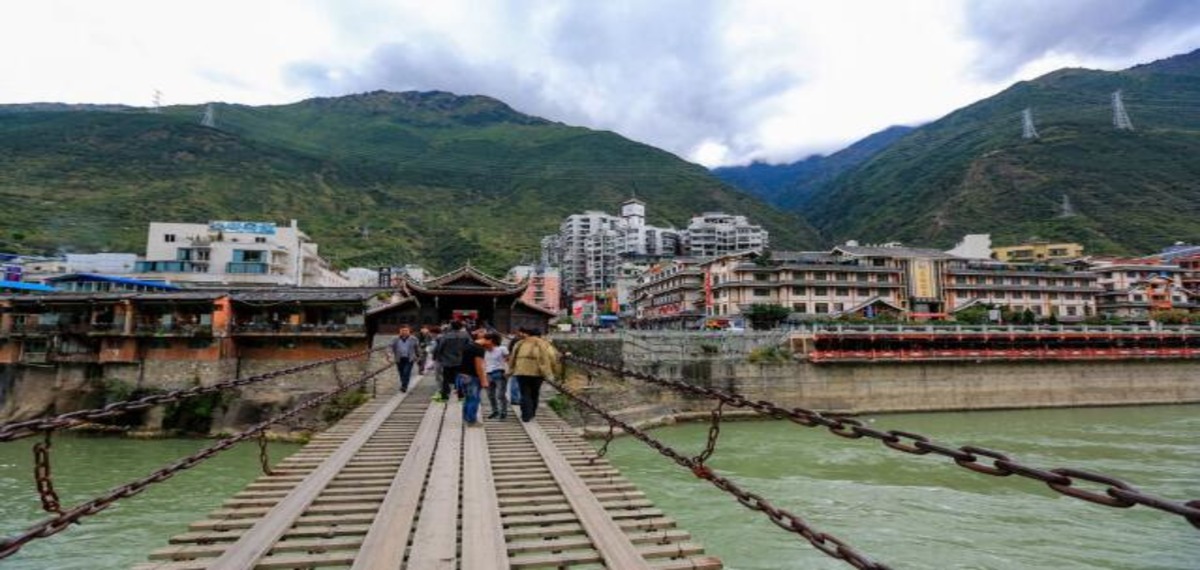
(54, 525)
(826, 543)
(1116, 493)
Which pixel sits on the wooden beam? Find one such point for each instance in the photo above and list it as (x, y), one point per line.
(483, 541)
(259, 539)
(612, 543)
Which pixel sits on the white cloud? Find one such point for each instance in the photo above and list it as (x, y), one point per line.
(717, 82)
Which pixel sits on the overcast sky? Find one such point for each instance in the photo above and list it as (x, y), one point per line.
(714, 82)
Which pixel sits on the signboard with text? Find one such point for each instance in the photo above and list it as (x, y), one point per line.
(261, 228)
(922, 281)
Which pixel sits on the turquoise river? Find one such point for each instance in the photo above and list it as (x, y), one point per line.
(906, 511)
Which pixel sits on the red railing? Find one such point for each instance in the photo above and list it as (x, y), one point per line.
(904, 355)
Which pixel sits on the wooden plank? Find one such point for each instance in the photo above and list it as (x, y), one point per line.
(483, 541)
(435, 543)
(612, 543)
(257, 541)
(383, 548)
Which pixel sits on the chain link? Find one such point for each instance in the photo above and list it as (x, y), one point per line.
(18, 430)
(264, 459)
(55, 525)
(714, 432)
(1115, 493)
(782, 518)
(43, 478)
(604, 448)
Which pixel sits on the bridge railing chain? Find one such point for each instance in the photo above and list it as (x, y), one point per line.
(18, 430)
(54, 525)
(825, 542)
(1064, 480)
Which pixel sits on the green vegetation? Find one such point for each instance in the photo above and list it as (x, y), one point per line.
(343, 404)
(971, 172)
(765, 316)
(374, 178)
(769, 355)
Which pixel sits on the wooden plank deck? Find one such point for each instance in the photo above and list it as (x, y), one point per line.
(402, 483)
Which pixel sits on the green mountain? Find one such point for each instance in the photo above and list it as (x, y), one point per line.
(374, 178)
(1116, 191)
(793, 186)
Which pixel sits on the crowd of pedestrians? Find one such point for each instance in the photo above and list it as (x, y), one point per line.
(472, 360)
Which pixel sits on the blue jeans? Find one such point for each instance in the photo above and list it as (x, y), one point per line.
(470, 386)
(497, 393)
(514, 391)
(404, 367)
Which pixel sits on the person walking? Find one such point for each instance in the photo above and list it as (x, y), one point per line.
(473, 378)
(533, 360)
(495, 360)
(405, 351)
(514, 386)
(449, 354)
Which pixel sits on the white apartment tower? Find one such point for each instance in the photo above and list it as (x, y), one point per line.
(590, 246)
(713, 234)
(225, 252)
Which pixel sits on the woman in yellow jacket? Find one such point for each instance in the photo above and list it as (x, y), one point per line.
(532, 360)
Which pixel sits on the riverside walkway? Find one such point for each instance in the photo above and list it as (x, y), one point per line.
(402, 483)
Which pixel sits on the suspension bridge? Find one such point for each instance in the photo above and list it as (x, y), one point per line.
(403, 482)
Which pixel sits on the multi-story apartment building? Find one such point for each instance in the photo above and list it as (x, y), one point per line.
(670, 293)
(544, 285)
(866, 281)
(1132, 289)
(713, 234)
(1043, 290)
(1038, 252)
(813, 284)
(221, 252)
(589, 246)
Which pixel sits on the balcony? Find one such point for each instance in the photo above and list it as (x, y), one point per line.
(160, 329)
(304, 329)
(247, 267)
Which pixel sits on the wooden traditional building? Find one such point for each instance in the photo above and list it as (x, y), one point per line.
(463, 294)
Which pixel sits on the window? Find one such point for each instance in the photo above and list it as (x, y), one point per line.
(822, 308)
(863, 292)
(761, 292)
(1071, 311)
(169, 238)
(800, 307)
(820, 291)
(799, 290)
(260, 239)
(862, 277)
(843, 291)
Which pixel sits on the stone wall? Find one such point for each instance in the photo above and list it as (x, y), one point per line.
(32, 391)
(860, 388)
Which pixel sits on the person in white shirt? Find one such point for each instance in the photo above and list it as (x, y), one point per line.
(495, 359)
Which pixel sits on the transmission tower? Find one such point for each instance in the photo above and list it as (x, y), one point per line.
(1028, 131)
(157, 102)
(210, 117)
(1120, 117)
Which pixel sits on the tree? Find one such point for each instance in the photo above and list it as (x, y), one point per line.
(766, 316)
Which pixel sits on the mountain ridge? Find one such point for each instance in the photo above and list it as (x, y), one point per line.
(375, 178)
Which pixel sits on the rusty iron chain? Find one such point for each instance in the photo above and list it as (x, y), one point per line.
(714, 432)
(600, 453)
(18, 430)
(1114, 492)
(264, 458)
(43, 478)
(55, 525)
(824, 542)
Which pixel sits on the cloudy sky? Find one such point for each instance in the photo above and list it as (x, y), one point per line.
(714, 82)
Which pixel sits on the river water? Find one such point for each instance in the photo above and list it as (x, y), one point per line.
(907, 511)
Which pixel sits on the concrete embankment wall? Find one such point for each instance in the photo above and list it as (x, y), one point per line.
(878, 387)
(33, 391)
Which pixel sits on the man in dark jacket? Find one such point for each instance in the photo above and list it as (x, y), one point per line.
(449, 353)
